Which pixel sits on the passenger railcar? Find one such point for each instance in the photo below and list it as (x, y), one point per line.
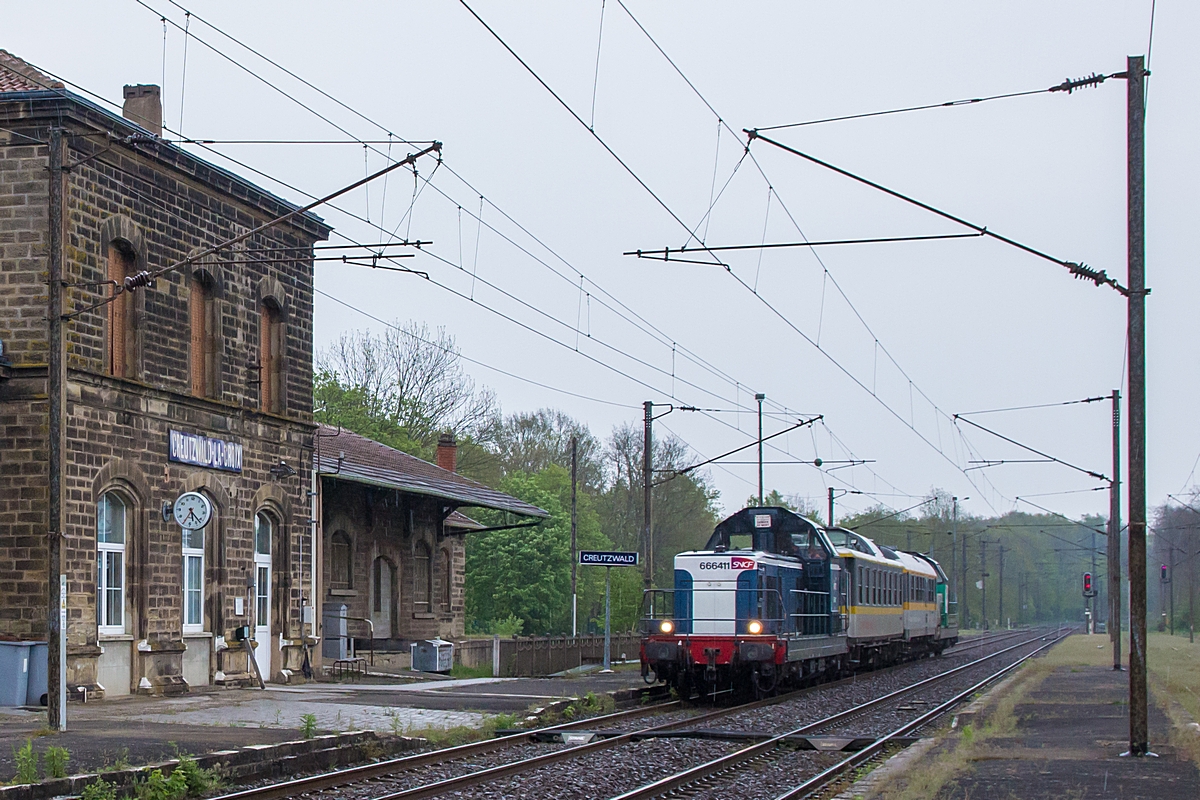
(773, 598)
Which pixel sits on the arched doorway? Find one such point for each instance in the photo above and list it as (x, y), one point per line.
(263, 533)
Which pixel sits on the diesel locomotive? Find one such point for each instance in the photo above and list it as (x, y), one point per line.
(775, 600)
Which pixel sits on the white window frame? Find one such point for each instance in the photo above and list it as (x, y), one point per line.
(262, 561)
(106, 551)
(191, 555)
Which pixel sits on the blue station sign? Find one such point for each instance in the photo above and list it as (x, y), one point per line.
(201, 451)
(605, 558)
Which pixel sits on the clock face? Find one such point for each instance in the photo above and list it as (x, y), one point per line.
(192, 511)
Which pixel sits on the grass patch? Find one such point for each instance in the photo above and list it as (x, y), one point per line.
(462, 734)
(459, 671)
(1174, 666)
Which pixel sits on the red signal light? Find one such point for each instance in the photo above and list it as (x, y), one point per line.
(1164, 573)
(1087, 583)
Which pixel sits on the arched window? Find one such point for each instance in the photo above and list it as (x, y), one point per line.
(422, 575)
(111, 533)
(447, 580)
(122, 336)
(271, 354)
(263, 529)
(205, 332)
(340, 572)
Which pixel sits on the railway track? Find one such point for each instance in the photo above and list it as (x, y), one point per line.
(699, 780)
(457, 769)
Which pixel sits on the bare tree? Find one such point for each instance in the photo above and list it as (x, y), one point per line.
(415, 377)
(530, 442)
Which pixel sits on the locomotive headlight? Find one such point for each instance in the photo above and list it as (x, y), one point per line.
(755, 627)
(666, 626)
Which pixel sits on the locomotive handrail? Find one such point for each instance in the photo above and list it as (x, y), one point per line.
(759, 602)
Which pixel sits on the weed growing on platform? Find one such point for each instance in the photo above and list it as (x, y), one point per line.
(198, 780)
(157, 786)
(308, 725)
(122, 761)
(99, 790)
(500, 722)
(27, 763)
(56, 761)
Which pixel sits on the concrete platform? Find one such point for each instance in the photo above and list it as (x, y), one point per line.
(1071, 730)
(144, 730)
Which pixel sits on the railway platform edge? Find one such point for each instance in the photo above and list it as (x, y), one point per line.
(1056, 729)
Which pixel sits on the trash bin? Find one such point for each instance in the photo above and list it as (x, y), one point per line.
(333, 631)
(14, 673)
(433, 655)
(39, 673)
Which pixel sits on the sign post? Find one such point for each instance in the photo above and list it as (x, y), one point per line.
(608, 560)
(61, 677)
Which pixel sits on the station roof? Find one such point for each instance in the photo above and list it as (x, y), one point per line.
(369, 462)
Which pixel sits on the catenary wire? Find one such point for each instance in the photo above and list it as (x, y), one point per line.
(215, 151)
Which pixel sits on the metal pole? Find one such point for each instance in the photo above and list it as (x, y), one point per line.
(1171, 581)
(574, 548)
(1092, 599)
(1001, 598)
(953, 589)
(1114, 536)
(760, 398)
(964, 611)
(647, 478)
(1139, 736)
(607, 619)
(831, 506)
(983, 581)
(56, 390)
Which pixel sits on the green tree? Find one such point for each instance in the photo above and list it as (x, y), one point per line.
(683, 507)
(526, 572)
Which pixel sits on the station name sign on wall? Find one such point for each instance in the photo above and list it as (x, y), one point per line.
(604, 558)
(201, 451)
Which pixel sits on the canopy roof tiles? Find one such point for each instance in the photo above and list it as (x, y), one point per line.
(344, 455)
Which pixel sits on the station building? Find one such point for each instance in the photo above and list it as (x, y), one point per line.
(199, 382)
(394, 540)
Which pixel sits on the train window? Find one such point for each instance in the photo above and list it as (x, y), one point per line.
(741, 541)
(808, 545)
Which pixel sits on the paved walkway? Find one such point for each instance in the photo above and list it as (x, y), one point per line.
(147, 729)
(1070, 733)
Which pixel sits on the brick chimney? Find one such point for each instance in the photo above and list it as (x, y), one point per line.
(143, 105)
(447, 452)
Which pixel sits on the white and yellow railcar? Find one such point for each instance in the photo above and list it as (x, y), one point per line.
(874, 608)
(919, 595)
(892, 595)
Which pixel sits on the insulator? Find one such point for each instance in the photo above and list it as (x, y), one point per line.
(137, 281)
(1084, 272)
(1069, 85)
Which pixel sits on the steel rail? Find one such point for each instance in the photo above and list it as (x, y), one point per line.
(757, 750)
(828, 776)
(537, 762)
(380, 769)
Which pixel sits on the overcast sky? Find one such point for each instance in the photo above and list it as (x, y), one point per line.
(909, 334)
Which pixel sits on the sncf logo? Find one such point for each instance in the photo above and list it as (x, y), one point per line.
(741, 563)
